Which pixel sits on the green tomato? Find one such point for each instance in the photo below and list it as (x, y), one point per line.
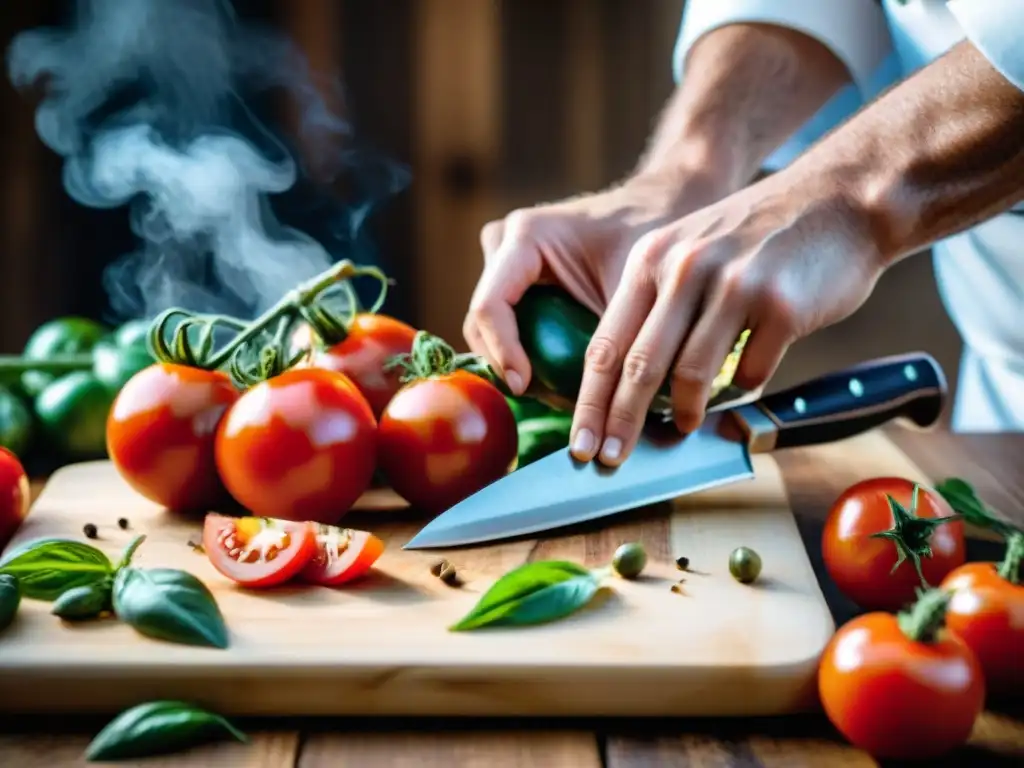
(132, 334)
(60, 336)
(114, 365)
(72, 412)
(16, 423)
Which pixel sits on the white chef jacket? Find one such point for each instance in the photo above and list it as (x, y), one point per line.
(980, 272)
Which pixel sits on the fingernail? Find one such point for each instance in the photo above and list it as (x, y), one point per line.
(611, 449)
(514, 381)
(583, 444)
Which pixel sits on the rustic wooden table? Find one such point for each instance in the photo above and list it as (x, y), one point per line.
(992, 462)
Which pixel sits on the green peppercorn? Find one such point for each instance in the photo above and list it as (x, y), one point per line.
(744, 565)
(629, 560)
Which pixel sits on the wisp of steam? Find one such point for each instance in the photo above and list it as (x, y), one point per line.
(144, 101)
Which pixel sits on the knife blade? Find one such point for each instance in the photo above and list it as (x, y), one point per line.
(558, 491)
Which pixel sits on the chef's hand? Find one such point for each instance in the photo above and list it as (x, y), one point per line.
(581, 243)
(783, 257)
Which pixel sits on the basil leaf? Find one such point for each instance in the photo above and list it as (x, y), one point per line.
(47, 568)
(532, 594)
(169, 604)
(83, 602)
(10, 599)
(158, 727)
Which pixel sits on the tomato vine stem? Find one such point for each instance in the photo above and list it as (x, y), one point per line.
(923, 621)
(1012, 566)
(910, 534)
(270, 356)
(433, 356)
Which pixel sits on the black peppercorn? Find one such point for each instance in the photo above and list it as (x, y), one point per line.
(90, 531)
(122, 523)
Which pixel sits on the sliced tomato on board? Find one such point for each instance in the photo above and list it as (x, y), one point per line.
(258, 551)
(343, 554)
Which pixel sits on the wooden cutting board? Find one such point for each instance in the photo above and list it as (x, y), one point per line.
(381, 646)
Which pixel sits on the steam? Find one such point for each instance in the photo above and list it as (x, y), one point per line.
(144, 100)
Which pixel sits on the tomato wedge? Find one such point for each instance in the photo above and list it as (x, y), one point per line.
(258, 551)
(343, 554)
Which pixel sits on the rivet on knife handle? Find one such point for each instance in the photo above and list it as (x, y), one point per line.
(910, 387)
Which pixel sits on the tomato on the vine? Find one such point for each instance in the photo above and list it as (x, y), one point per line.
(161, 431)
(258, 551)
(866, 535)
(902, 687)
(298, 446)
(342, 554)
(15, 495)
(371, 341)
(446, 434)
(987, 613)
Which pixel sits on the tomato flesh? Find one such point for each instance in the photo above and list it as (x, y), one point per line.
(255, 551)
(987, 613)
(15, 495)
(343, 554)
(861, 566)
(445, 437)
(897, 698)
(372, 340)
(300, 446)
(161, 433)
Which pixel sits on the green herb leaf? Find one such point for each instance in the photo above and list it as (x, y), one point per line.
(170, 605)
(10, 599)
(961, 496)
(159, 727)
(534, 593)
(47, 568)
(84, 602)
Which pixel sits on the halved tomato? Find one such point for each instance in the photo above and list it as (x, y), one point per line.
(258, 551)
(343, 554)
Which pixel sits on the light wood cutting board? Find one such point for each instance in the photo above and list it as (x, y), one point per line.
(381, 646)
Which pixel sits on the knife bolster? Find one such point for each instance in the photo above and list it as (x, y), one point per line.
(759, 428)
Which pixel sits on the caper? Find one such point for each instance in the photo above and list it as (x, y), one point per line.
(744, 565)
(629, 560)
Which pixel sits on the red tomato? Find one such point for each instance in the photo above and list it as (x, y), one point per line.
(445, 437)
(895, 697)
(372, 340)
(299, 446)
(161, 430)
(861, 566)
(15, 495)
(343, 554)
(987, 613)
(258, 551)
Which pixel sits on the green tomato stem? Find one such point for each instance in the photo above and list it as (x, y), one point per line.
(1013, 562)
(926, 617)
(433, 356)
(56, 365)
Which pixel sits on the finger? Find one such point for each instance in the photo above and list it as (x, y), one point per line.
(515, 266)
(647, 365)
(615, 333)
(764, 350)
(702, 356)
(490, 238)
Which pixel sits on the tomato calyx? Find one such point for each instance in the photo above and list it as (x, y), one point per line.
(910, 534)
(432, 356)
(926, 618)
(1012, 566)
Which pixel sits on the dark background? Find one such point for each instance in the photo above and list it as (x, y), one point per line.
(490, 105)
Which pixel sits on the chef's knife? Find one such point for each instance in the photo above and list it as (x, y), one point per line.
(557, 490)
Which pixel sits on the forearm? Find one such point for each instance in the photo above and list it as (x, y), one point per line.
(936, 155)
(747, 88)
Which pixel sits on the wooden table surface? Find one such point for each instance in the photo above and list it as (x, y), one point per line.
(992, 463)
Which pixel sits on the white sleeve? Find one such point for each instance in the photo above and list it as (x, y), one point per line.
(996, 27)
(856, 31)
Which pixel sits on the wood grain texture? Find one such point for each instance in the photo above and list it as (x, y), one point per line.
(382, 646)
(452, 749)
(61, 750)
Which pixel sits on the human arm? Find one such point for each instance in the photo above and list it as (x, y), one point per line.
(803, 249)
(748, 87)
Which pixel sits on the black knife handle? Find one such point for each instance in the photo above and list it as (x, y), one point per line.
(839, 405)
